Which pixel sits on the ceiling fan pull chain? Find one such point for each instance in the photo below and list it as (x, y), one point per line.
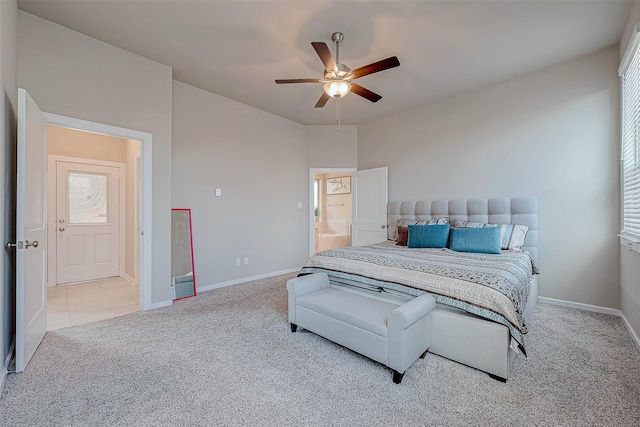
(339, 127)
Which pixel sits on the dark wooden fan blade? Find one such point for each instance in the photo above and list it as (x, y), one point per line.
(325, 55)
(385, 64)
(365, 93)
(284, 81)
(323, 100)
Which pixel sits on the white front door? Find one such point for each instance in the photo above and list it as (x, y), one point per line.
(87, 221)
(369, 211)
(31, 230)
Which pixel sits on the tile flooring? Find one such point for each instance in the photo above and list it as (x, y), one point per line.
(74, 304)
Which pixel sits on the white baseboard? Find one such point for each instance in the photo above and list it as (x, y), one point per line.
(633, 334)
(245, 279)
(199, 289)
(597, 309)
(5, 365)
(160, 304)
(129, 278)
(3, 376)
(580, 306)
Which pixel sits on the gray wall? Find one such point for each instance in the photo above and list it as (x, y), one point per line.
(552, 134)
(8, 131)
(328, 147)
(630, 261)
(257, 159)
(74, 75)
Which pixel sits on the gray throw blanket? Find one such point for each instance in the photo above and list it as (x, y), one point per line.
(494, 287)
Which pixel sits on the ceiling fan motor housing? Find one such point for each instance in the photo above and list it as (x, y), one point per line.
(343, 70)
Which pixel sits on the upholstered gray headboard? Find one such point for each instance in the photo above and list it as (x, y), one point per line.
(503, 210)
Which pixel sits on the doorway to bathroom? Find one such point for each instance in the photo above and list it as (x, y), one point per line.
(331, 207)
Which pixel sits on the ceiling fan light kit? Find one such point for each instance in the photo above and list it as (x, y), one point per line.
(338, 78)
(337, 88)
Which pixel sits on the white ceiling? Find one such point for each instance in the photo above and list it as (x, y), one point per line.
(238, 48)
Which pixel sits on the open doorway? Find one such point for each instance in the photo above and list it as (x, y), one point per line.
(330, 204)
(94, 226)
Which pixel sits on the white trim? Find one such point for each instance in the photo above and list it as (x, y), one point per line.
(632, 46)
(52, 189)
(245, 279)
(5, 365)
(580, 306)
(161, 304)
(312, 172)
(3, 377)
(633, 334)
(147, 207)
(631, 243)
(129, 278)
(137, 213)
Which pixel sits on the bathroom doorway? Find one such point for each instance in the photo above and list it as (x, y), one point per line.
(331, 209)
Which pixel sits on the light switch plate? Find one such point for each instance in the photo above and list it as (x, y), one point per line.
(218, 192)
(299, 205)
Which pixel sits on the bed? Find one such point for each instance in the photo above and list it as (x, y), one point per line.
(484, 302)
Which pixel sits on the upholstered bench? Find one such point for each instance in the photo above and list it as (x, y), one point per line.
(392, 334)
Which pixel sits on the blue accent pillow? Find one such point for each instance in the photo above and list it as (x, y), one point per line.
(428, 236)
(478, 240)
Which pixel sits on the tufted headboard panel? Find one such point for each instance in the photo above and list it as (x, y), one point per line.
(503, 210)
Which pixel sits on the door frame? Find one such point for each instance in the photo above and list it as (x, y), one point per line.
(146, 176)
(137, 214)
(312, 172)
(52, 192)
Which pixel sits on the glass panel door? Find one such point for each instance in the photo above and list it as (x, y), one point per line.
(88, 198)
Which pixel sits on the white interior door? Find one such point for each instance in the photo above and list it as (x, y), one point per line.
(369, 207)
(31, 233)
(87, 221)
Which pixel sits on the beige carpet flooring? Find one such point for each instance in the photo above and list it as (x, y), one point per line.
(227, 357)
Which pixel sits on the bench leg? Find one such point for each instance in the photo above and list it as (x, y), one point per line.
(293, 327)
(497, 378)
(397, 377)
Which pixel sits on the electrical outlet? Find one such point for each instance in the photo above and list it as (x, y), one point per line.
(246, 260)
(237, 262)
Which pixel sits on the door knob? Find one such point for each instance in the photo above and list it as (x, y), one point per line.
(383, 226)
(61, 220)
(61, 229)
(28, 243)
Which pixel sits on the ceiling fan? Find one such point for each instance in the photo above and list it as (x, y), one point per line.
(338, 78)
